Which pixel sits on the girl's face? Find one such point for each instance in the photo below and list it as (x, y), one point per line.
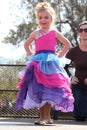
(44, 20)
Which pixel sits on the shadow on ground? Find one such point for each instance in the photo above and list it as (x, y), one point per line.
(30, 122)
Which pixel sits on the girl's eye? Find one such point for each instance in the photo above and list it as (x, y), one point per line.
(40, 17)
(44, 17)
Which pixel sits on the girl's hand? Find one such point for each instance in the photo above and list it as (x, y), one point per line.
(74, 80)
(58, 55)
(85, 81)
(31, 54)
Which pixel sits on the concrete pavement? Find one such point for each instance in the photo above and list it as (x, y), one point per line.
(28, 124)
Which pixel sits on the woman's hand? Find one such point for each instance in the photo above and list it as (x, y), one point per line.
(85, 81)
(74, 80)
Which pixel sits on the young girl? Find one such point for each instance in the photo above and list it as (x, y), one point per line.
(45, 83)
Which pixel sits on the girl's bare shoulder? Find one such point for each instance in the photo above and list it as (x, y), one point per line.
(34, 33)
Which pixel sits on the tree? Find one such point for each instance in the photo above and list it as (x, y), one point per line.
(72, 11)
(75, 12)
(22, 32)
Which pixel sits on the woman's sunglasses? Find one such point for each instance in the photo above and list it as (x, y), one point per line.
(81, 30)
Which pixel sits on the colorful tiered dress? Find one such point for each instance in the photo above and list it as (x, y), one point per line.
(45, 80)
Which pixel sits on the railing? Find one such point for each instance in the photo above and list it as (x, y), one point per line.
(8, 91)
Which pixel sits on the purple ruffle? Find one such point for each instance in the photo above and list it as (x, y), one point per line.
(39, 93)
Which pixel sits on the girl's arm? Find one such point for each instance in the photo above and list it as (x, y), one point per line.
(28, 42)
(66, 44)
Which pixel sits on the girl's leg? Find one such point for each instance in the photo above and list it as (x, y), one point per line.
(47, 111)
(41, 121)
(45, 116)
(42, 111)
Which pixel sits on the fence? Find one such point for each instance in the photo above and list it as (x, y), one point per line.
(8, 92)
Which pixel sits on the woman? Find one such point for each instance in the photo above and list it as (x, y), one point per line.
(78, 56)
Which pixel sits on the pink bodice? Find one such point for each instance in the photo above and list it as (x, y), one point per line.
(46, 42)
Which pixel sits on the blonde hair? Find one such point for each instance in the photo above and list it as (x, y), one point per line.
(45, 6)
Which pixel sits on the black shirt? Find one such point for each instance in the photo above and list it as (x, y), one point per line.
(79, 59)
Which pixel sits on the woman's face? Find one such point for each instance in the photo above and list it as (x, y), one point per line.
(83, 32)
(44, 19)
